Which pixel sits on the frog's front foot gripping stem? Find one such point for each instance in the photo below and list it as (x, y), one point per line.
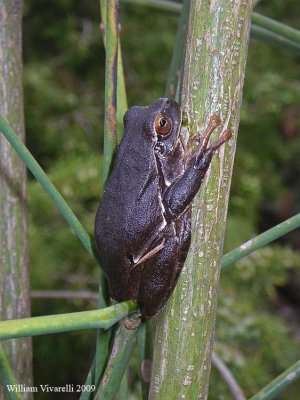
(204, 153)
(180, 195)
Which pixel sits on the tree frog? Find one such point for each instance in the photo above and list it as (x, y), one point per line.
(143, 223)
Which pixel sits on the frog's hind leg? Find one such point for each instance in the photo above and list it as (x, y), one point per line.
(160, 272)
(136, 270)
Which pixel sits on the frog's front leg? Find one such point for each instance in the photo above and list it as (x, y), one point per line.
(180, 194)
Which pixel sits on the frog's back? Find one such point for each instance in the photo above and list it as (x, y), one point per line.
(128, 216)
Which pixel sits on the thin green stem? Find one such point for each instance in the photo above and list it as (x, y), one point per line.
(158, 4)
(103, 337)
(115, 102)
(276, 27)
(145, 351)
(142, 357)
(122, 393)
(48, 186)
(275, 387)
(263, 28)
(90, 380)
(123, 345)
(261, 240)
(7, 377)
(35, 326)
(102, 345)
(121, 88)
(177, 60)
(111, 62)
(275, 39)
(121, 97)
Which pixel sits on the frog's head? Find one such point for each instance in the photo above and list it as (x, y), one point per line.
(158, 123)
(164, 123)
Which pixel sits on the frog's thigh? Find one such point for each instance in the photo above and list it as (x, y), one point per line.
(157, 279)
(160, 272)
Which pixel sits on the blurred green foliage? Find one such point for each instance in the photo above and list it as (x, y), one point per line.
(64, 98)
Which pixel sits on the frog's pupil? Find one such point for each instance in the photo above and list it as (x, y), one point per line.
(162, 122)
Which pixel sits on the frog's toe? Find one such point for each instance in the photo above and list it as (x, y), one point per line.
(133, 321)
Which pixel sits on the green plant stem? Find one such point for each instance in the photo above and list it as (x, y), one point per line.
(35, 326)
(111, 62)
(121, 97)
(177, 61)
(158, 4)
(7, 377)
(102, 337)
(145, 351)
(261, 240)
(124, 341)
(275, 39)
(48, 186)
(102, 344)
(90, 380)
(275, 387)
(263, 28)
(276, 27)
(142, 356)
(115, 100)
(121, 88)
(122, 393)
(212, 84)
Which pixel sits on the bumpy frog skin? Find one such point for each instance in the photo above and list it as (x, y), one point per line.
(143, 223)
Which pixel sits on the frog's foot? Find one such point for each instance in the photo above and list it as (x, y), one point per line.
(133, 322)
(224, 137)
(203, 138)
(204, 153)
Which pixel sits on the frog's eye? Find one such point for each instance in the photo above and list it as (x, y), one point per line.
(162, 125)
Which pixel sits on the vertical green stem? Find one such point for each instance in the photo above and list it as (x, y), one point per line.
(121, 97)
(145, 349)
(122, 347)
(175, 71)
(122, 393)
(111, 46)
(213, 80)
(90, 380)
(121, 88)
(115, 102)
